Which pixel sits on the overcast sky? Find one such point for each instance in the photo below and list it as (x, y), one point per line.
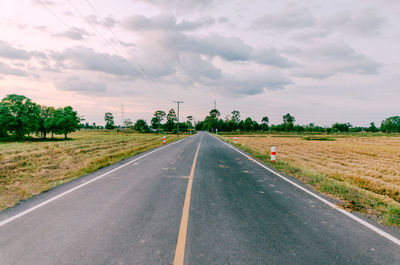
(322, 61)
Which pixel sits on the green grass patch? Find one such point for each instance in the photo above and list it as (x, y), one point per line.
(318, 139)
(392, 216)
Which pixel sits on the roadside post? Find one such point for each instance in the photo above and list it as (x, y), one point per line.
(216, 131)
(235, 140)
(165, 139)
(273, 154)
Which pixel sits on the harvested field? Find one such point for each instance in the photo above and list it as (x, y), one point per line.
(371, 163)
(29, 168)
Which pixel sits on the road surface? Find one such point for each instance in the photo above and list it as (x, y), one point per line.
(196, 201)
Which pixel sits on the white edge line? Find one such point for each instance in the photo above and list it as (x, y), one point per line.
(14, 217)
(361, 221)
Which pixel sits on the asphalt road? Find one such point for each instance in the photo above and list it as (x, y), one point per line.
(236, 212)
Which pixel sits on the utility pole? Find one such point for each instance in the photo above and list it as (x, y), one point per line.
(177, 125)
(215, 104)
(122, 114)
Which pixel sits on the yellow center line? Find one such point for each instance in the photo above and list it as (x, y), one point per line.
(181, 244)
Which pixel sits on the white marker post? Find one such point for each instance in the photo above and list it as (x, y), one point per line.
(165, 139)
(216, 131)
(235, 140)
(273, 154)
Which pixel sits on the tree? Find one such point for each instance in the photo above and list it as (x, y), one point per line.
(288, 121)
(159, 116)
(215, 113)
(46, 120)
(298, 128)
(65, 120)
(310, 127)
(128, 123)
(265, 121)
(248, 124)
(341, 127)
(199, 125)
(171, 119)
(211, 122)
(109, 118)
(372, 127)
(189, 121)
(19, 115)
(235, 116)
(391, 125)
(141, 126)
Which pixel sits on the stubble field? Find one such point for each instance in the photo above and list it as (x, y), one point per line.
(29, 168)
(367, 163)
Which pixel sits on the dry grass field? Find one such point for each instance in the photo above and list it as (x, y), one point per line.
(29, 168)
(368, 163)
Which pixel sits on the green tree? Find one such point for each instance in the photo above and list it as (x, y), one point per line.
(310, 127)
(128, 123)
(4, 117)
(141, 126)
(391, 125)
(248, 124)
(215, 113)
(19, 115)
(65, 120)
(171, 119)
(211, 121)
(341, 127)
(156, 121)
(199, 125)
(46, 120)
(288, 121)
(372, 127)
(235, 116)
(189, 121)
(264, 122)
(109, 118)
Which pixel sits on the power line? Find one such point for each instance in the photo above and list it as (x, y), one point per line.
(99, 33)
(71, 28)
(122, 114)
(119, 41)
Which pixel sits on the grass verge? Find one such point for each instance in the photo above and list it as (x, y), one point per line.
(352, 198)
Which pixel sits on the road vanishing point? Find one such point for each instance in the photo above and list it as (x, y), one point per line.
(194, 201)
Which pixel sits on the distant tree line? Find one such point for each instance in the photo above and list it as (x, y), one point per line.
(234, 123)
(19, 116)
(161, 122)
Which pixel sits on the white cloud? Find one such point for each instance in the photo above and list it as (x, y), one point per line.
(10, 52)
(108, 21)
(193, 66)
(73, 34)
(165, 22)
(183, 5)
(79, 84)
(84, 58)
(8, 70)
(363, 22)
(290, 18)
(328, 59)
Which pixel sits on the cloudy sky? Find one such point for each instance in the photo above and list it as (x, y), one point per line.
(322, 61)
